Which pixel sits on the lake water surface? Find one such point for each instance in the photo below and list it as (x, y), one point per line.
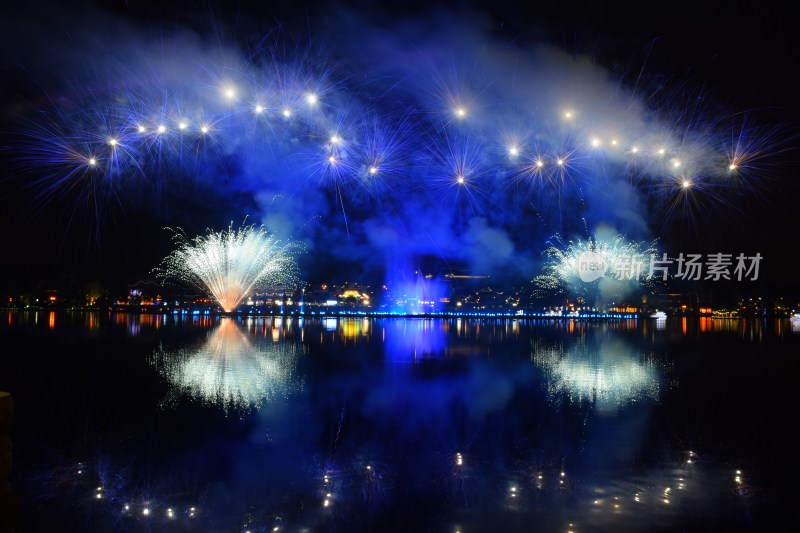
(130, 422)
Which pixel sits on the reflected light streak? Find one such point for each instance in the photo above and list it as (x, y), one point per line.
(412, 339)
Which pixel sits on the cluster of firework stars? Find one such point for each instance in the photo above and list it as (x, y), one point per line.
(440, 141)
(111, 152)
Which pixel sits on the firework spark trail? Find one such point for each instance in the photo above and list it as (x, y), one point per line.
(230, 264)
(339, 428)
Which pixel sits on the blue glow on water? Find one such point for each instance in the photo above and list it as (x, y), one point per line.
(345, 423)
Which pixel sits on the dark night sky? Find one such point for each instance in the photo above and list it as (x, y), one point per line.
(741, 56)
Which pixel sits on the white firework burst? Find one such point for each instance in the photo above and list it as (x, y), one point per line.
(230, 264)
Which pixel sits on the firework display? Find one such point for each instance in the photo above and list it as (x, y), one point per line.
(609, 266)
(454, 154)
(230, 264)
(463, 157)
(398, 266)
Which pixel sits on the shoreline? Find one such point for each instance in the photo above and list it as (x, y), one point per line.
(344, 313)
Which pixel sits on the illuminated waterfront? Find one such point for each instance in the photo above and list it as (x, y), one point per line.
(435, 267)
(133, 422)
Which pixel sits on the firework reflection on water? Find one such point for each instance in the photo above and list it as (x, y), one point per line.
(231, 368)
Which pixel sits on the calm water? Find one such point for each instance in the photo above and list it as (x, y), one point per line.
(151, 423)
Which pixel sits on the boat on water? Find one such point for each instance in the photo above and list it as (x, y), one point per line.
(658, 315)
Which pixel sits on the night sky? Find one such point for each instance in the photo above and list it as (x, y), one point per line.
(390, 78)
